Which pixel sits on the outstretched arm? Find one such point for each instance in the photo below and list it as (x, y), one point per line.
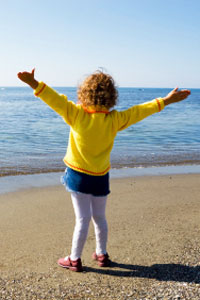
(28, 78)
(176, 96)
(139, 112)
(59, 103)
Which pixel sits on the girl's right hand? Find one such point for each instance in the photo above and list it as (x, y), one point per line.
(28, 78)
(175, 96)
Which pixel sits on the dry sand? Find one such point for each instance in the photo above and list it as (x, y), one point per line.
(154, 230)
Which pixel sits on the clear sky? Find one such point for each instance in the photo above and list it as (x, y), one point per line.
(141, 43)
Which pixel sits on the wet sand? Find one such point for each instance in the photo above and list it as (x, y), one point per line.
(154, 229)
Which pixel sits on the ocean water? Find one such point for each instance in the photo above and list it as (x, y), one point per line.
(33, 138)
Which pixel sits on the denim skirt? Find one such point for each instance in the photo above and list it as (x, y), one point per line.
(75, 181)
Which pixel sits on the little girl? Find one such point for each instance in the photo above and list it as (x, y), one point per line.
(94, 127)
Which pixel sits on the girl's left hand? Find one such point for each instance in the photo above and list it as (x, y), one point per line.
(28, 78)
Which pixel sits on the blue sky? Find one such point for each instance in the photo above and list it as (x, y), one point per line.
(143, 43)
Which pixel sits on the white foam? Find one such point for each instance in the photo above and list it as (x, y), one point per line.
(14, 183)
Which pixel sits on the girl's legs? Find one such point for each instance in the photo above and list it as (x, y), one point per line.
(85, 206)
(98, 207)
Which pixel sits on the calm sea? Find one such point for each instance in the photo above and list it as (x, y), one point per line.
(33, 138)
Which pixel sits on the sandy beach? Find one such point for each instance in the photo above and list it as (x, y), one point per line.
(154, 229)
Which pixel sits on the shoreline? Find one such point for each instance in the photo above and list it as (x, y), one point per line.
(59, 167)
(26, 181)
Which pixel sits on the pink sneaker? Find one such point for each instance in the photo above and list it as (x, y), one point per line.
(73, 265)
(103, 259)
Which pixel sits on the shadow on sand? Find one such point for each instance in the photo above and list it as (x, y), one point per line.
(162, 272)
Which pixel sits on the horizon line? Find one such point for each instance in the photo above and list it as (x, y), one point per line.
(127, 87)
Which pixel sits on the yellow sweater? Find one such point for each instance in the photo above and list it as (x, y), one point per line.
(93, 130)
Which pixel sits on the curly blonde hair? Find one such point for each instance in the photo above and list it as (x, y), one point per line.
(98, 89)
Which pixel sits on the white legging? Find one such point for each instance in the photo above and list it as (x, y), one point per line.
(85, 207)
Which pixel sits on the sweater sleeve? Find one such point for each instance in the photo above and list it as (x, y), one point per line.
(138, 112)
(59, 103)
